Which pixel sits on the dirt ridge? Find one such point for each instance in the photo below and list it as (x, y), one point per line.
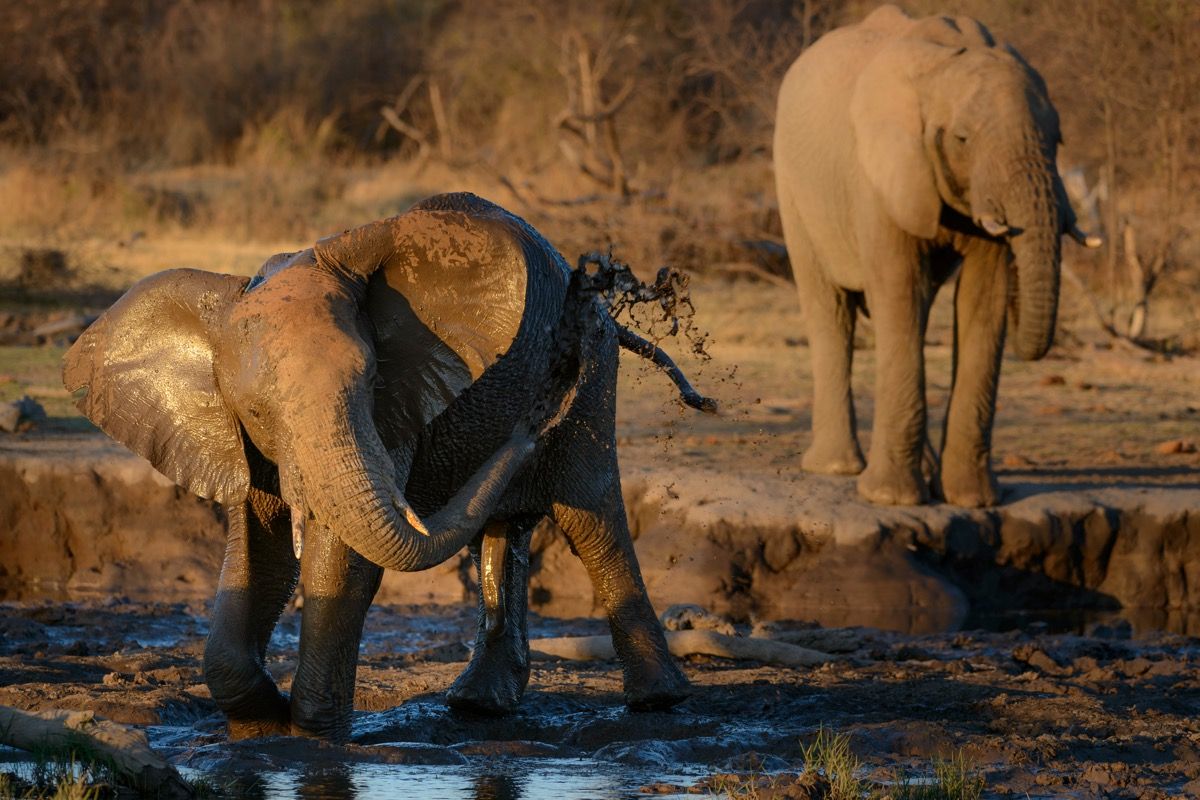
(81, 514)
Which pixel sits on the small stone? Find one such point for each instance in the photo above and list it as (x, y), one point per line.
(1175, 447)
(1016, 460)
(1052, 380)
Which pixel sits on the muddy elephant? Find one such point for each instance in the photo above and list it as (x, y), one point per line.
(906, 150)
(373, 402)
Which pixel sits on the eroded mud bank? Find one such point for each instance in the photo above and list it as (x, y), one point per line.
(80, 513)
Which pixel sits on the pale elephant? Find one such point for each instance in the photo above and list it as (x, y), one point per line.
(374, 401)
(906, 150)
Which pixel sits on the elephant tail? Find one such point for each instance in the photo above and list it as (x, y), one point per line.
(646, 349)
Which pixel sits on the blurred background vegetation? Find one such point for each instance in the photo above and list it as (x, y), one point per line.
(136, 133)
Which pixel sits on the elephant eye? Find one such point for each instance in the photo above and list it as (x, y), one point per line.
(961, 137)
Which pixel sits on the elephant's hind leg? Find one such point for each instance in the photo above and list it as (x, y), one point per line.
(495, 680)
(979, 317)
(339, 586)
(598, 532)
(829, 312)
(257, 580)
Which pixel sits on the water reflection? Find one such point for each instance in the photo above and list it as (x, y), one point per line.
(498, 787)
(326, 782)
(498, 779)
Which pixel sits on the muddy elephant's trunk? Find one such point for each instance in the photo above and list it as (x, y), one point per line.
(1033, 214)
(351, 486)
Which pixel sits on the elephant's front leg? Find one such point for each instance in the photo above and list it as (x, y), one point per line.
(595, 524)
(339, 586)
(980, 305)
(899, 299)
(830, 313)
(495, 680)
(257, 580)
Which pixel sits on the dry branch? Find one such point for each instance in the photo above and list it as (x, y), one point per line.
(686, 643)
(754, 271)
(125, 750)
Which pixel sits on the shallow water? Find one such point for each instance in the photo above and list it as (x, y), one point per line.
(508, 779)
(482, 779)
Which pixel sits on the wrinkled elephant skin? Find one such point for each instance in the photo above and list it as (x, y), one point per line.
(377, 401)
(907, 150)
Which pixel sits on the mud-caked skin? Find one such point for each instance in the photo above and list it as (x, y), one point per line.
(933, 151)
(381, 400)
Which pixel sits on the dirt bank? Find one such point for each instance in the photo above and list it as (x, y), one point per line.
(1096, 511)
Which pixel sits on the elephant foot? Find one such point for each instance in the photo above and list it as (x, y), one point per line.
(838, 459)
(656, 687)
(269, 718)
(892, 486)
(329, 724)
(493, 683)
(970, 485)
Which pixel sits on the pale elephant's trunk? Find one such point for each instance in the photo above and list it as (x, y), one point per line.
(1018, 191)
(1033, 214)
(350, 485)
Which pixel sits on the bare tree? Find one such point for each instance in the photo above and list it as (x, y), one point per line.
(590, 115)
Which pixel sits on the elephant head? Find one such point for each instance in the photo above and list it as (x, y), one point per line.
(407, 312)
(948, 122)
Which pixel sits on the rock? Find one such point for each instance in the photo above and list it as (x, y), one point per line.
(1052, 380)
(1039, 659)
(1175, 447)
(1017, 461)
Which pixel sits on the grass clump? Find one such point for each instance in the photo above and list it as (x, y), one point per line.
(953, 779)
(829, 755)
(831, 772)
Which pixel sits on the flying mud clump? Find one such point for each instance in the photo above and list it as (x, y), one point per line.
(620, 291)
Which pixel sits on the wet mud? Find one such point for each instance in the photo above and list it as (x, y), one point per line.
(1110, 712)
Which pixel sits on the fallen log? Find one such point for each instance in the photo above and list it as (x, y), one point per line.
(685, 643)
(86, 737)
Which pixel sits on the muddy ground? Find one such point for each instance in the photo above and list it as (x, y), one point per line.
(1038, 714)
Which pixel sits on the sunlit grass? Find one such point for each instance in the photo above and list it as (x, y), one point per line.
(832, 771)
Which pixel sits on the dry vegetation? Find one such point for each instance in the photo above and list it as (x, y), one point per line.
(141, 134)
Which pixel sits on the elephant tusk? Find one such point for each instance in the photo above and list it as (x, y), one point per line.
(1088, 240)
(414, 520)
(492, 553)
(993, 226)
(297, 532)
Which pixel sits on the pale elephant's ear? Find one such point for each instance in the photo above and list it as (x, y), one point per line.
(885, 111)
(147, 366)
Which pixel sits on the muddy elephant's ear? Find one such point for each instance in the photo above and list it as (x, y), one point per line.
(147, 366)
(885, 111)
